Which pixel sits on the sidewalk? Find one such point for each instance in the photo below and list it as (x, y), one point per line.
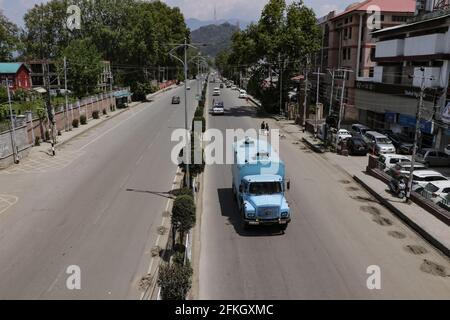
(424, 223)
(39, 153)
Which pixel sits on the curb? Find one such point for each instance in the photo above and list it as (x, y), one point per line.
(312, 146)
(423, 233)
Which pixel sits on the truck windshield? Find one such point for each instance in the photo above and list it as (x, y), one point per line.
(260, 188)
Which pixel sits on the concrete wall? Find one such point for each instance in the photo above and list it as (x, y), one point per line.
(6, 147)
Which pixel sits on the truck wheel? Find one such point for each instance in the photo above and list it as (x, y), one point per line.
(283, 227)
(245, 225)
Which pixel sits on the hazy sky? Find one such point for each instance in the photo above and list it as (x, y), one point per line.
(247, 10)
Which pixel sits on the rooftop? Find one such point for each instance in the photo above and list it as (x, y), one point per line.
(407, 6)
(10, 67)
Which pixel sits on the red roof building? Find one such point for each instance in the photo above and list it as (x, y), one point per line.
(17, 74)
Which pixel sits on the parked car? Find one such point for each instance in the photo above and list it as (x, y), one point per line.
(447, 150)
(378, 142)
(188, 88)
(389, 161)
(221, 86)
(242, 94)
(228, 85)
(343, 134)
(218, 109)
(357, 146)
(360, 129)
(433, 158)
(233, 87)
(176, 100)
(402, 143)
(437, 190)
(423, 177)
(405, 168)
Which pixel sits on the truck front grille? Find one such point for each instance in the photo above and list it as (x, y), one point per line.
(268, 213)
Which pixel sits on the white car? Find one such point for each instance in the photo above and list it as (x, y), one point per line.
(423, 177)
(216, 92)
(233, 87)
(218, 109)
(242, 94)
(390, 160)
(436, 191)
(343, 134)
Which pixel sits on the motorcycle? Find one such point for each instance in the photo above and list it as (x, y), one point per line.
(398, 187)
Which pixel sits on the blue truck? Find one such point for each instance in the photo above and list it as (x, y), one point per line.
(259, 184)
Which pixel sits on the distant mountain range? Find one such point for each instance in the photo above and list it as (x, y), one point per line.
(217, 37)
(195, 24)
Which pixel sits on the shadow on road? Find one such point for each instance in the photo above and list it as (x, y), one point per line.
(241, 111)
(228, 208)
(168, 195)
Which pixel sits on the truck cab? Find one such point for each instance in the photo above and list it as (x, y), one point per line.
(259, 185)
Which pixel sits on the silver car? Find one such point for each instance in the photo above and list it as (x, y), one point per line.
(378, 142)
(433, 158)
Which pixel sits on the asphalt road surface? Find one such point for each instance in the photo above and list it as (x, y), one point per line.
(337, 232)
(83, 215)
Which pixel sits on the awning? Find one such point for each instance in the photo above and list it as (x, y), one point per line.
(40, 90)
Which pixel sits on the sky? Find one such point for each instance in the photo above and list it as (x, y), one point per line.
(246, 10)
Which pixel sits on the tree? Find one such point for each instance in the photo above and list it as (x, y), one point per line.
(183, 214)
(9, 38)
(84, 66)
(282, 38)
(175, 281)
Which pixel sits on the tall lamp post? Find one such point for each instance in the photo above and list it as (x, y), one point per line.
(184, 62)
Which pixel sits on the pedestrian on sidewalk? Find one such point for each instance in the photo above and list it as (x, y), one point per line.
(263, 126)
(267, 127)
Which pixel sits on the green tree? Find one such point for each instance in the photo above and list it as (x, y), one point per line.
(175, 281)
(282, 38)
(84, 66)
(183, 214)
(9, 38)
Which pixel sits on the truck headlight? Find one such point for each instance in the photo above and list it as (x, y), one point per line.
(284, 214)
(250, 214)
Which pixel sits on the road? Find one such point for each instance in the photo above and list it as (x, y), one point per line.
(82, 214)
(337, 232)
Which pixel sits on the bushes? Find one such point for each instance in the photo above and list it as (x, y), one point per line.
(95, 114)
(83, 119)
(183, 213)
(175, 281)
(75, 123)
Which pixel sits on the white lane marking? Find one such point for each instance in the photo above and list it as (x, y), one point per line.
(9, 200)
(152, 261)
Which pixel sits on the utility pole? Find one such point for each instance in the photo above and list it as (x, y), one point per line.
(306, 93)
(317, 100)
(416, 135)
(341, 108)
(49, 106)
(280, 79)
(13, 126)
(66, 109)
(332, 92)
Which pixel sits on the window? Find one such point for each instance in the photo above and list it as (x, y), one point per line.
(259, 188)
(372, 53)
(345, 33)
(399, 18)
(371, 72)
(382, 17)
(350, 33)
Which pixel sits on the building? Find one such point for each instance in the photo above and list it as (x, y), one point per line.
(105, 79)
(38, 77)
(406, 55)
(18, 75)
(347, 43)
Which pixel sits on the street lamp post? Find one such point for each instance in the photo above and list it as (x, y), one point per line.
(184, 62)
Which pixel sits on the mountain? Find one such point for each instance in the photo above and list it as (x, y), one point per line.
(195, 24)
(217, 37)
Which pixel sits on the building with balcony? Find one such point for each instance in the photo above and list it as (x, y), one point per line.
(407, 56)
(348, 43)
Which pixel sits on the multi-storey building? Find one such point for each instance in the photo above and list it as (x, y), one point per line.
(347, 43)
(408, 56)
